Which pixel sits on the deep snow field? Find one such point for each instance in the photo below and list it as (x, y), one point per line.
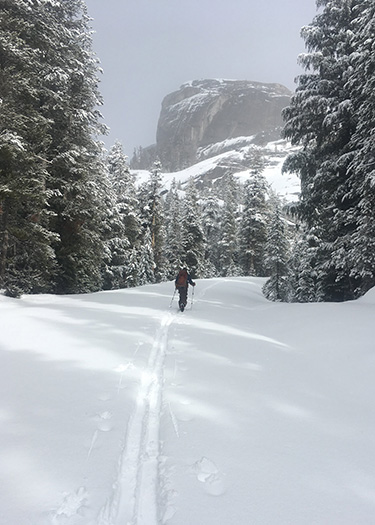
(119, 410)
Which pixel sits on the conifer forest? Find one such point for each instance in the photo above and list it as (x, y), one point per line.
(74, 219)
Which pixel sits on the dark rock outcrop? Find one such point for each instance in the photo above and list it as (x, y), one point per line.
(206, 112)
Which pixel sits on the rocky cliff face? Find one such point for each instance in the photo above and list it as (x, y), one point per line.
(203, 113)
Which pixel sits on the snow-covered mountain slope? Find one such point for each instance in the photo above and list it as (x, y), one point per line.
(116, 409)
(235, 156)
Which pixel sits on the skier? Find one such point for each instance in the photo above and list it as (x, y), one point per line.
(182, 282)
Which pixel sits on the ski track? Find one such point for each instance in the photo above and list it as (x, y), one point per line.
(135, 498)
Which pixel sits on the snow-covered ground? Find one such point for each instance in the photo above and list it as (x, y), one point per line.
(118, 410)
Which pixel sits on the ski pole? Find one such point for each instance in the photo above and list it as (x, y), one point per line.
(174, 293)
(192, 299)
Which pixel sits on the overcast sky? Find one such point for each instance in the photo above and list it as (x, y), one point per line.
(148, 48)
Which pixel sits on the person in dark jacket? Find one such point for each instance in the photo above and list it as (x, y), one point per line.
(182, 282)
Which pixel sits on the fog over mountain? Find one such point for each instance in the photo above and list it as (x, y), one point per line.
(210, 128)
(205, 112)
(148, 49)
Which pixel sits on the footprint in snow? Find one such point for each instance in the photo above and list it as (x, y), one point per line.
(104, 421)
(72, 505)
(105, 396)
(184, 411)
(207, 473)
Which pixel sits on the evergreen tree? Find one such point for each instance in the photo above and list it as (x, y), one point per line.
(49, 162)
(123, 184)
(173, 235)
(324, 119)
(152, 218)
(361, 85)
(117, 249)
(304, 279)
(75, 156)
(253, 226)
(27, 262)
(123, 231)
(276, 252)
(146, 263)
(133, 268)
(211, 229)
(228, 243)
(193, 241)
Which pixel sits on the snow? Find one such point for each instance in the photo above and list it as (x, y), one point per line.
(117, 409)
(287, 186)
(218, 147)
(216, 84)
(187, 106)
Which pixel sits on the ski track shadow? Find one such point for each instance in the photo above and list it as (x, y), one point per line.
(44, 407)
(116, 332)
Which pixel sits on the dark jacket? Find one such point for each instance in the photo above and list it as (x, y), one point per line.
(183, 279)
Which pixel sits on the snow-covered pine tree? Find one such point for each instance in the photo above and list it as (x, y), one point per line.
(211, 213)
(123, 184)
(153, 219)
(146, 263)
(193, 241)
(124, 229)
(253, 225)
(27, 261)
(276, 252)
(173, 237)
(117, 249)
(133, 268)
(75, 167)
(228, 243)
(321, 119)
(361, 85)
(303, 283)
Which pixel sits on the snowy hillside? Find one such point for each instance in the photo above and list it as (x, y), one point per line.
(233, 155)
(117, 409)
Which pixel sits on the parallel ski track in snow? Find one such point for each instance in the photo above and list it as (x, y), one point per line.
(135, 496)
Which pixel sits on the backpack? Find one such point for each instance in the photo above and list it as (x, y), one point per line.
(182, 278)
